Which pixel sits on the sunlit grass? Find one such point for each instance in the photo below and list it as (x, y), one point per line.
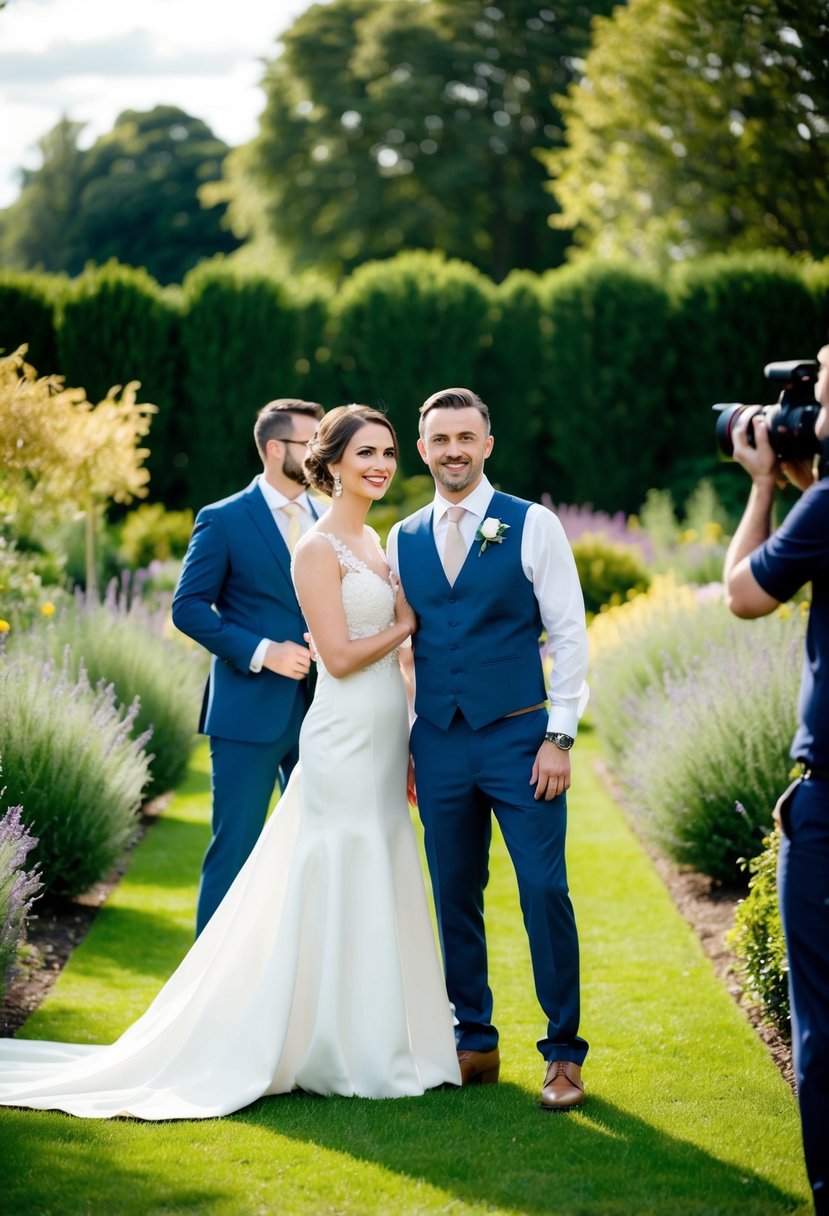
(686, 1113)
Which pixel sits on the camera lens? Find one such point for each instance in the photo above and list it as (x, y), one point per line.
(727, 415)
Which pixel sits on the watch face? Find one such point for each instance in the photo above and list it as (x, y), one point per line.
(565, 742)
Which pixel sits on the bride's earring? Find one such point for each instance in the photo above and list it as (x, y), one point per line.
(338, 485)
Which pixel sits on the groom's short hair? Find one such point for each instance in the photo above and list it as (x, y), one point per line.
(276, 419)
(453, 399)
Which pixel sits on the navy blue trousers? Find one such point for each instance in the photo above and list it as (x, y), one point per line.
(244, 777)
(803, 888)
(462, 777)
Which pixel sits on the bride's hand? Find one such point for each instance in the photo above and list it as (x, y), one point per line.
(404, 614)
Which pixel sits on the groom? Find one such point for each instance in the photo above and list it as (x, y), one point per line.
(235, 597)
(486, 573)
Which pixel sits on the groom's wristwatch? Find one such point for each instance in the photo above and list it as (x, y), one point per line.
(565, 742)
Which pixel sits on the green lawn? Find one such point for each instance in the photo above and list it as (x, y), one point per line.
(686, 1113)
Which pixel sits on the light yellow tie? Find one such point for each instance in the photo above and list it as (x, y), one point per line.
(294, 512)
(454, 553)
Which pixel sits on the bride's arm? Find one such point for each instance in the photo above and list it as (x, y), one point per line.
(319, 589)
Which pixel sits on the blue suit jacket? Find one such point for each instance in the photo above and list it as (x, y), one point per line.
(235, 589)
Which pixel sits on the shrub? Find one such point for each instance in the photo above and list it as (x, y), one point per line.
(757, 937)
(18, 888)
(633, 644)
(70, 759)
(149, 533)
(23, 596)
(407, 327)
(123, 643)
(609, 573)
(27, 316)
(707, 750)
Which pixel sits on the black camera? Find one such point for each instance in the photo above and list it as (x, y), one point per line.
(790, 422)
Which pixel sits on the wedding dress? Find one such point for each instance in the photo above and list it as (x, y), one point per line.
(318, 970)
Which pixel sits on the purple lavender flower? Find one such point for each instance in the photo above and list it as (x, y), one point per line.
(18, 887)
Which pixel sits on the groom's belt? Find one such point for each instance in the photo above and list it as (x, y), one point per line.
(515, 713)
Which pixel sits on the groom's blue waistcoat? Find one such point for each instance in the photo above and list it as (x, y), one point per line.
(476, 646)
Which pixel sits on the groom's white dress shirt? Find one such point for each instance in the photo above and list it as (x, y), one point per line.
(548, 563)
(276, 500)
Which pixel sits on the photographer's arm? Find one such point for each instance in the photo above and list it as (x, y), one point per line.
(744, 595)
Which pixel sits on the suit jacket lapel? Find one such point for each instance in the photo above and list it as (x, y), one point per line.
(263, 519)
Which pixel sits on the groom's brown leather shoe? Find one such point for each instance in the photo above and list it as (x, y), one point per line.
(563, 1087)
(479, 1067)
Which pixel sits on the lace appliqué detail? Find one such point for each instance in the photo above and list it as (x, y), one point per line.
(368, 600)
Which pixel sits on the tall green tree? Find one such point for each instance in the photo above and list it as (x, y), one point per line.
(134, 196)
(404, 125)
(700, 128)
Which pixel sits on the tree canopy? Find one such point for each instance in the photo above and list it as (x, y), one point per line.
(134, 196)
(410, 125)
(700, 128)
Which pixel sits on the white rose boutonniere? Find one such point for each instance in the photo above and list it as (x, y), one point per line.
(491, 532)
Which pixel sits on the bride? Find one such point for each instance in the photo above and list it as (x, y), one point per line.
(318, 971)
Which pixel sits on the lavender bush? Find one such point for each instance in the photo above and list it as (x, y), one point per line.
(18, 888)
(707, 747)
(127, 643)
(71, 758)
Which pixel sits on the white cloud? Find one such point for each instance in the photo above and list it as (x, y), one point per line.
(90, 59)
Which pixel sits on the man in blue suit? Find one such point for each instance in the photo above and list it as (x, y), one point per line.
(486, 574)
(235, 597)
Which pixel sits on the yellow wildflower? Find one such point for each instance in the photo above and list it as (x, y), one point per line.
(4, 626)
(47, 608)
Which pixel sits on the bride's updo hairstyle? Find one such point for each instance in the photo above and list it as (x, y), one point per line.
(333, 436)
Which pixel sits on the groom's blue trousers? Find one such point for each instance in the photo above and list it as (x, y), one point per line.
(244, 777)
(462, 776)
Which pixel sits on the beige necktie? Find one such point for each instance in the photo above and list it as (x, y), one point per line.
(454, 553)
(294, 512)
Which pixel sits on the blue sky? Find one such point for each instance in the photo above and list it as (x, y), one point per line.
(91, 59)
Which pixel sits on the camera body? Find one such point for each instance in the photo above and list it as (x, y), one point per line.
(790, 421)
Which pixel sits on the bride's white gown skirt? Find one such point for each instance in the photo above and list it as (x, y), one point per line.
(318, 970)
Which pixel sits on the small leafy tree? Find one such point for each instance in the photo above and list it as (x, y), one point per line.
(60, 452)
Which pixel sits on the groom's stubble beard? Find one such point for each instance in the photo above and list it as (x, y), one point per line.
(293, 469)
(457, 481)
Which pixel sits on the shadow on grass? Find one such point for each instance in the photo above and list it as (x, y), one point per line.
(63, 1167)
(495, 1146)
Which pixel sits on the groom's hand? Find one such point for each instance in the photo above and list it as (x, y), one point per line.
(288, 659)
(551, 772)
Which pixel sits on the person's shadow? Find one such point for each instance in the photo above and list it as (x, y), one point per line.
(493, 1146)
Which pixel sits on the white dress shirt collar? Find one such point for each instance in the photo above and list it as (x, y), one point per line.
(475, 503)
(276, 499)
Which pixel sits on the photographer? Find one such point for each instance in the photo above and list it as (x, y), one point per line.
(762, 570)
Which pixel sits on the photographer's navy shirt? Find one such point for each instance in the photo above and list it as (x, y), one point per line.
(796, 554)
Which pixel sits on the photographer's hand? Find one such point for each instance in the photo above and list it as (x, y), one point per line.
(744, 595)
(759, 460)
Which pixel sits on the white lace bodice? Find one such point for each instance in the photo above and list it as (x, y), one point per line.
(368, 601)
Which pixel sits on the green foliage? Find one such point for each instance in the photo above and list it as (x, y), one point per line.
(18, 888)
(240, 336)
(757, 937)
(69, 758)
(732, 314)
(609, 573)
(406, 328)
(28, 303)
(149, 533)
(118, 325)
(606, 426)
(397, 126)
(512, 382)
(717, 144)
(133, 196)
(23, 595)
(128, 647)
